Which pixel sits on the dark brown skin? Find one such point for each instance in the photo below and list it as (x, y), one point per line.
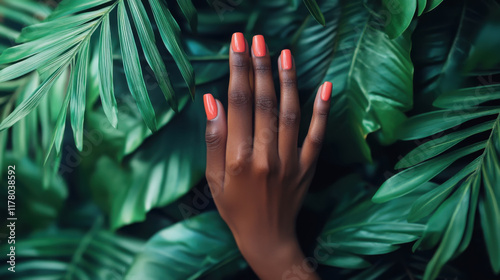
(256, 172)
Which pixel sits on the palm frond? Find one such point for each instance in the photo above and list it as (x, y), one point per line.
(49, 47)
(452, 218)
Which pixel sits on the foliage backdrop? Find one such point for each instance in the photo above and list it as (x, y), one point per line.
(102, 117)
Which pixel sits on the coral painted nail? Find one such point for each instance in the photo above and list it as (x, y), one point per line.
(326, 91)
(259, 45)
(286, 59)
(238, 42)
(210, 106)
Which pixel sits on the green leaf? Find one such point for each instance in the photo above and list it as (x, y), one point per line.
(170, 33)
(60, 126)
(67, 7)
(437, 146)
(399, 16)
(365, 228)
(411, 178)
(73, 254)
(427, 124)
(363, 101)
(152, 177)
(489, 204)
(315, 11)
(78, 94)
(153, 57)
(432, 4)
(57, 26)
(29, 104)
(106, 73)
(467, 97)
(187, 250)
(427, 203)
(41, 206)
(189, 12)
(453, 233)
(421, 6)
(132, 67)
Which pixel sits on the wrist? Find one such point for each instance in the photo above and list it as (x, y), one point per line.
(280, 258)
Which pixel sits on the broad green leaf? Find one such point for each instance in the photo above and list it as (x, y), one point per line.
(153, 177)
(147, 38)
(453, 234)
(187, 250)
(29, 104)
(399, 16)
(106, 73)
(363, 101)
(170, 33)
(427, 203)
(315, 11)
(427, 124)
(411, 178)
(41, 206)
(437, 146)
(189, 12)
(132, 67)
(78, 94)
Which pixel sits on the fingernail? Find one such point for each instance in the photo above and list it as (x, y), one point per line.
(326, 91)
(259, 45)
(210, 106)
(286, 59)
(238, 42)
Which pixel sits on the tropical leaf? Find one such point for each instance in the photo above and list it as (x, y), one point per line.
(151, 177)
(73, 254)
(40, 206)
(365, 228)
(363, 101)
(65, 36)
(452, 218)
(315, 11)
(186, 250)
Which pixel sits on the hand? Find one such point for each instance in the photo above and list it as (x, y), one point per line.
(257, 174)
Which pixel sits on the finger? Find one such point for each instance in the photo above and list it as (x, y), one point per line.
(289, 116)
(240, 99)
(266, 128)
(215, 138)
(314, 139)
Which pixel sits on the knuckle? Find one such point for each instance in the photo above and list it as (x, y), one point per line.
(239, 63)
(262, 168)
(213, 140)
(239, 98)
(262, 69)
(264, 103)
(322, 113)
(289, 118)
(316, 140)
(288, 82)
(235, 167)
